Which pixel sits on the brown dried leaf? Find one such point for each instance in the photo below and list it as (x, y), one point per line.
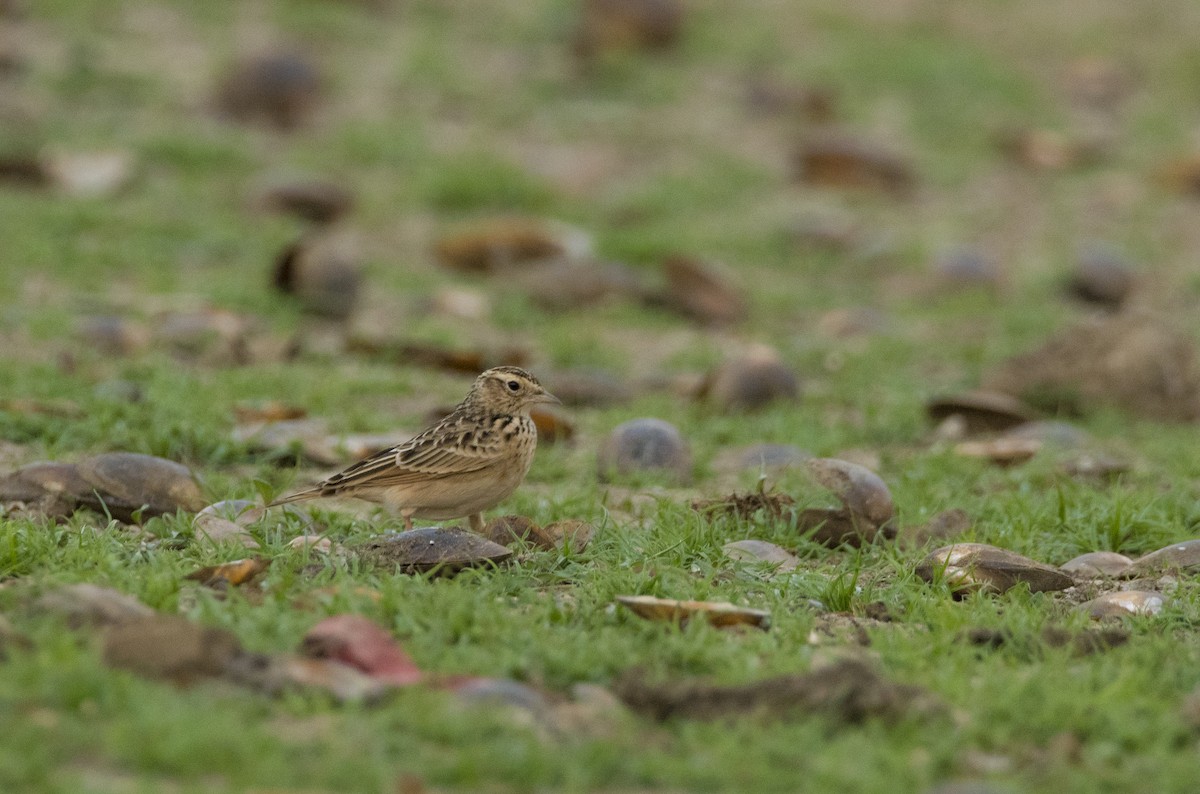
(503, 243)
(1135, 361)
(267, 411)
(572, 532)
(703, 292)
(718, 613)
(621, 25)
(230, 574)
(553, 426)
(839, 160)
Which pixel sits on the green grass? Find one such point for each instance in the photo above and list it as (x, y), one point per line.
(439, 113)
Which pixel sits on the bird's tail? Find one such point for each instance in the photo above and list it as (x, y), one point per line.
(299, 496)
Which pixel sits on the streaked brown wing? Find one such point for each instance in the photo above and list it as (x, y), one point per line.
(428, 456)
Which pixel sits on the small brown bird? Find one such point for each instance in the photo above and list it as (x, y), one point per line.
(468, 462)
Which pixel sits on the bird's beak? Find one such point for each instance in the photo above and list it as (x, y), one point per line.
(547, 398)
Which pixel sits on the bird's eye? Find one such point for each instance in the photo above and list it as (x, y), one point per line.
(514, 386)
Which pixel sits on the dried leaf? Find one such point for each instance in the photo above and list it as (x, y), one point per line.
(719, 613)
(703, 292)
(230, 574)
(839, 160)
(503, 243)
(620, 25)
(267, 411)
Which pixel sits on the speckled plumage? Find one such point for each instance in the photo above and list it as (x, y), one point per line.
(470, 461)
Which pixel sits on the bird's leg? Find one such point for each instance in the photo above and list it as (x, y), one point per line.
(407, 515)
(476, 522)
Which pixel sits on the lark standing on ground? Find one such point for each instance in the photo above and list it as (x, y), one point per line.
(468, 462)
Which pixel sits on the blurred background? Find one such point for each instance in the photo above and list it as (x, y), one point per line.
(887, 198)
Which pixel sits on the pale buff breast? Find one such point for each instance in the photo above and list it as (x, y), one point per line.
(462, 495)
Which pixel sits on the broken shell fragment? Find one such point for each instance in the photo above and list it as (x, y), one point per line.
(279, 88)
(982, 411)
(645, 445)
(761, 551)
(216, 528)
(1103, 276)
(861, 491)
(323, 271)
(1124, 603)
(592, 388)
(751, 382)
(1097, 564)
(971, 567)
(718, 613)
(86, 605)
(310, 199)
(447, 550)
(1177, 558)
(128, 483)
(1002, 451)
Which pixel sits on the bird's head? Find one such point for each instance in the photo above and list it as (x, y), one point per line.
(509, 390)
